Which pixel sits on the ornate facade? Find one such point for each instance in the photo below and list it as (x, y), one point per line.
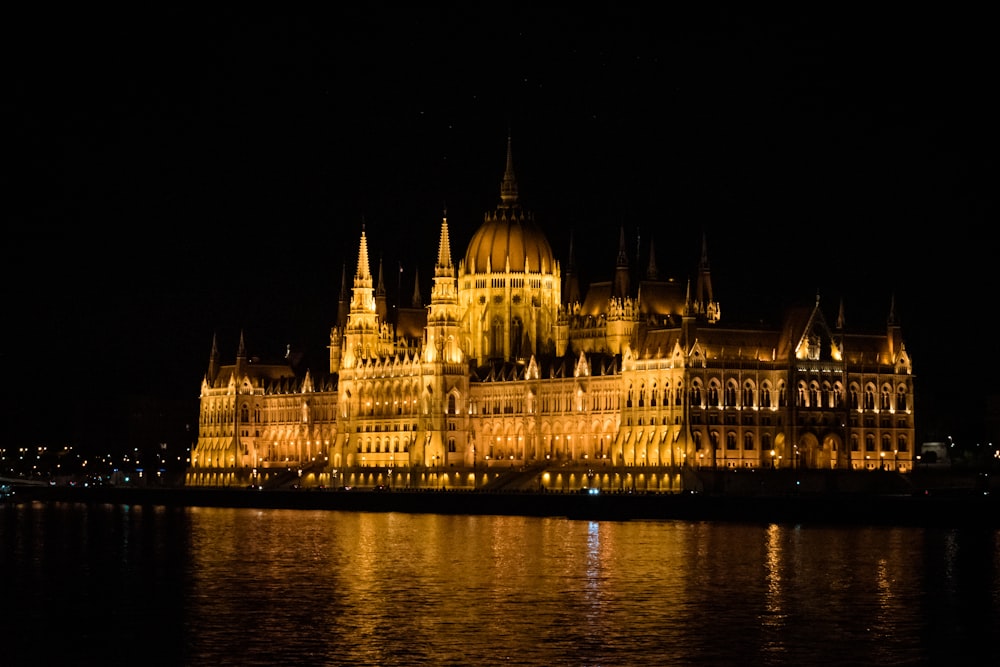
(513, 371)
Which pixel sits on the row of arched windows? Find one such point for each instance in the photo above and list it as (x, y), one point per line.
(812, 394)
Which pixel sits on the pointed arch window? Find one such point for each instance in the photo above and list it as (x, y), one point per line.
(730, 396)
(748, 395)
(496, 339)
(516, 333)
(713, 395)
(869, 398)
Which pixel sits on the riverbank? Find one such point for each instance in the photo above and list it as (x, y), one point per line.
(955, 507)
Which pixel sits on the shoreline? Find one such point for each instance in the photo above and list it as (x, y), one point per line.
(955, 508)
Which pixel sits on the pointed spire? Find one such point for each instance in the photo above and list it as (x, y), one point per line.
(840, 314)
(508, 189)
(651, 272)
(622, 253)
(213, 360)
(343, 281)
(703, 291)
(363, 272)
(444, 245)
(892, 310)
(417, 300)
(380, 287)
(241, 352)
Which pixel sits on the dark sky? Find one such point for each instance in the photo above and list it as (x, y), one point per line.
(176, 175)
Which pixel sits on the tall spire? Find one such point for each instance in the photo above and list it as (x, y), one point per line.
(417, 302)
(508, 189)
(651, 272)
(363, 272)
(622, 284)
(444, 248)
(703, 292)
(622, 253)
(213, 361)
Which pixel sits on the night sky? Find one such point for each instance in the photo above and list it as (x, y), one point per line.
(173, 176)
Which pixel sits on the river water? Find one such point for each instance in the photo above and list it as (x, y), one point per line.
(145, 585)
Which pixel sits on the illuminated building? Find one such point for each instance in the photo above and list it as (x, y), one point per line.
(512, 368)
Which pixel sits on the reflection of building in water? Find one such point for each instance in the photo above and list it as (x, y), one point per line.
(514, 365)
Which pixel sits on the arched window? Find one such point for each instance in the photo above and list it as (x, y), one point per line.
(730, 440)
(516, 336)
(748, 395)
(765, 396)
(713, 395)
(244, 414)
(496, 339)
(901, 443)
(885, 403)
(748, 441)
(730, 394)
(869, 398)
(901, 398)
(854, 398)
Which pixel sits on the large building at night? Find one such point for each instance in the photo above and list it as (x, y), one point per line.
(516, 371)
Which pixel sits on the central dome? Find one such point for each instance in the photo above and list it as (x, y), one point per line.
(501, 239)
(509, 235)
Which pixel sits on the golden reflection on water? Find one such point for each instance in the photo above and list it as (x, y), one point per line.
(390, 588)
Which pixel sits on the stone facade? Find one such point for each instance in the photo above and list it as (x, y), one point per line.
(513, 372)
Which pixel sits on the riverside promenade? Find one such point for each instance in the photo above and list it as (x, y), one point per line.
(803, 497)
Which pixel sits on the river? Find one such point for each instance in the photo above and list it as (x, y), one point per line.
(119, 584)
